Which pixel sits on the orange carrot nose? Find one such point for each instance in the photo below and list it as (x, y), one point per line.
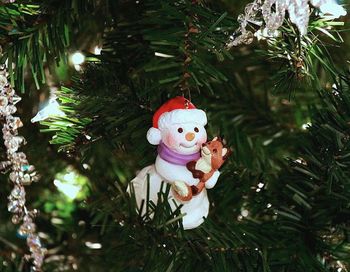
(190, 136)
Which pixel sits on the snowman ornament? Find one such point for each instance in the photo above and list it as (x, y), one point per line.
(184, 160)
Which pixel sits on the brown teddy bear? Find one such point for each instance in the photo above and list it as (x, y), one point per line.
(213, 155)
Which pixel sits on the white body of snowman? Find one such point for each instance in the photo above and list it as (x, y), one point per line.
(178, 130)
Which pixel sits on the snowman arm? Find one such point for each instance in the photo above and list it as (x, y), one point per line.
(175, 174)
(172, 175)
(210, 183)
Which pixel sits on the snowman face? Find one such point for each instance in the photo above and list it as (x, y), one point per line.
(184, 138)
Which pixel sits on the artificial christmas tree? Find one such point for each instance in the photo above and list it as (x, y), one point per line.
(93, 73)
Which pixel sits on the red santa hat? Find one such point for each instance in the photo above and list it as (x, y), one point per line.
(177, 110)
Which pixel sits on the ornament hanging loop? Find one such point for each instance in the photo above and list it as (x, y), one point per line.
(191, 30)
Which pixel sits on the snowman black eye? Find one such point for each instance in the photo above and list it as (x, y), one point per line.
(196, 129)
(180, 130)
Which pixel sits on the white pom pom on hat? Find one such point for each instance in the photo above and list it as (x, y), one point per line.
(177, 110)
(154, 136)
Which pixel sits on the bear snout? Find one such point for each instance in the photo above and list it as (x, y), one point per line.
(206, 151)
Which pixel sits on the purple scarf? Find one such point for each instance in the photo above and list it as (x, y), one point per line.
(175, 158)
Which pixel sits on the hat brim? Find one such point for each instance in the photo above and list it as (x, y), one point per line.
(182, 116)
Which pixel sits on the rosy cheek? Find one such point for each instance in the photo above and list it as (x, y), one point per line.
(202, 140)
(170, 140)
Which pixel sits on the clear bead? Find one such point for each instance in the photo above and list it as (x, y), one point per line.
(4, 165)
(3, 102)
(247, 38)
(18, 192)
(273, 19)
(3, 81)
(14, 206)
(26, 180)
(38, 259)
(241, 18)
(14, 122)
(34, 242)
(27, 228)
(14, 143)
(14, 176)
(36, 178)
(16, 219)
(251, 9)
(10, 109)
(21, 162)
(9, 91)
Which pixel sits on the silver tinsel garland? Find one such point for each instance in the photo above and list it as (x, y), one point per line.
(21, 172)
(269, 15)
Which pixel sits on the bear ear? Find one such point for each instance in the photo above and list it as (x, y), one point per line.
(225, 153)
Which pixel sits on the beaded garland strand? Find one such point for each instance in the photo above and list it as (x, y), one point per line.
(21, 172)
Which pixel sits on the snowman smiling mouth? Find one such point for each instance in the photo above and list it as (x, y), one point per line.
(188, 146)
